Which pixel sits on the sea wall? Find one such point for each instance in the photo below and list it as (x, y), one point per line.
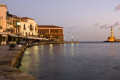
(8, 64)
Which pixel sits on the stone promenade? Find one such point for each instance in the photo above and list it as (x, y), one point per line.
(9, 59)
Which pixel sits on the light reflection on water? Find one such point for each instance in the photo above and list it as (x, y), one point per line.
(83, 61)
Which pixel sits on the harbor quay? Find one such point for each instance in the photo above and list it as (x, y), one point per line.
(9, 61)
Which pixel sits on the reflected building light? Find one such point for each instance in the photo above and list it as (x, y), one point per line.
(27, 52)
(51, 47)
(72, 44)
(42, 47)
(51, 50)
(61, 44)
(35, 47)
(64, 44)
(72, 51)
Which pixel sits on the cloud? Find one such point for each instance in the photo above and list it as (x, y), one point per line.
(116, 24)
(96, 25)
(117, 8)
(105, 26)
(109, 26)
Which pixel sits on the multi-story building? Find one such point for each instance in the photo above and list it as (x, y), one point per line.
(11, 31)
(3, 11)
(12, 27)
(28, 27)
(12, 21)
(51, 32)
(3, 34)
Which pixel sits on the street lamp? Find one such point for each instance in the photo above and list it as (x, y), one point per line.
(18, 24)
(51, 38)
(42, 37)
(77, 39)
(26, 35)
(64, 39)
(72, 38)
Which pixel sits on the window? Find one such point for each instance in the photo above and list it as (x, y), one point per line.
(39, 31)
(47, 31)
(31, 28)
(43, 31)
(0, 27)
(24, 26)
(32, 34)
(55, 31)
(13, 21)
(16, 31)
(60, 31)
(51, 31)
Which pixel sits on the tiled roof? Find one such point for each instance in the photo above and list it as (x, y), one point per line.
(3, 5)
(11, 15)
(48, 26)
(23, 21)
(27, 18)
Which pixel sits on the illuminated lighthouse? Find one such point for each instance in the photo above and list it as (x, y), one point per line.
(111, 38)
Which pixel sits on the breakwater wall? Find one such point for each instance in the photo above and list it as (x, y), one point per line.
(8, 64)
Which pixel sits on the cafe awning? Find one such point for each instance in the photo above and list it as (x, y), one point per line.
(13, 35)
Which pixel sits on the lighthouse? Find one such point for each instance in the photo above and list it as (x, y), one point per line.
(111, 38)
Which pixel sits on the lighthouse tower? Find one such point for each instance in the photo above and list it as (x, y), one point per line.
(111, 38)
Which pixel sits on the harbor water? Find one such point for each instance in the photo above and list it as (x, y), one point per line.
(78, 61)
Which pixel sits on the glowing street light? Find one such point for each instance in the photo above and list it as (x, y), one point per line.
(64, 39)
(42, 37)
(18, 24)
(72, 38)
(26, 35)
(77, 39)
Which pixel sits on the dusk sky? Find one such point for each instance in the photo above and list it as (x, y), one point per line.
(80, 18)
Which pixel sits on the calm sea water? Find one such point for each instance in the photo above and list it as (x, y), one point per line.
(83, 61)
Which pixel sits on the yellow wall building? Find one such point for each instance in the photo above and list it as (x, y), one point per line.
(28, 27)
(3, 11)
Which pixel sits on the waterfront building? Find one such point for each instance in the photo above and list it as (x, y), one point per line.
(3, 34)
(51, 32)
(28, 27)
(12, 27)
(12, 21)
(3, 11)
(111, 38)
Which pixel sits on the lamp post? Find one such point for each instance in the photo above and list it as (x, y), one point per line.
(18, 24)
(42, 37)
(51, 38)
(64, 39)
(77, 39)
(26, 35)
(72, 38)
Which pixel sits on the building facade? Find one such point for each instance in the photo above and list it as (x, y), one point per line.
(3, 22)
(3, 11)
(28, 27)
(51, 32)
(16, 29)
(12, 26)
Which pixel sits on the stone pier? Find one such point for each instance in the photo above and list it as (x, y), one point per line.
(8, 63)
